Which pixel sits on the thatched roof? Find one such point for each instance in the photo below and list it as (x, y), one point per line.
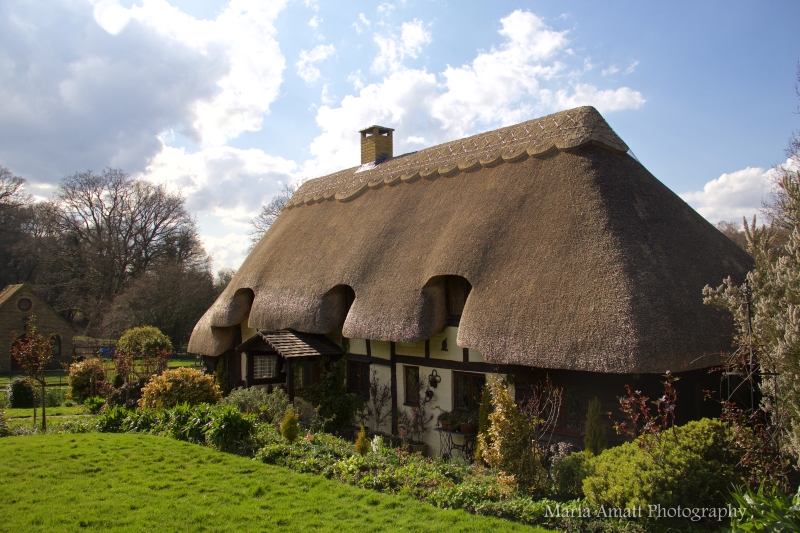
(578, 257)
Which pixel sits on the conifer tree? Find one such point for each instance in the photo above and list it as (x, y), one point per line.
(595, 439)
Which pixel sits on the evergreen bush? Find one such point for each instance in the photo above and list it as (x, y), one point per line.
(289, 427)
(483, 420)
(221, 374)
(363, 445)
(144, 342)
(177, 386)
(568, 474)
(94, 404)
(19, 394)
(691, 465)
(595, 439)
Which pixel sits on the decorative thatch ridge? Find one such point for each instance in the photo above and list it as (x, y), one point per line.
(535, 138)
(579, 259)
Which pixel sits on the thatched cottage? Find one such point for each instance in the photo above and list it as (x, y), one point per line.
(539, 249)
(17, 304)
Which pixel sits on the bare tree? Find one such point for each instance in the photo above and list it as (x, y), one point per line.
(12, 194)
(104, 230)
(270, 212)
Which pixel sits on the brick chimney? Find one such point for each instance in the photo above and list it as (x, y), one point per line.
(376, 144)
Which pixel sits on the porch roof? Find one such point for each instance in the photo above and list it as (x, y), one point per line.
(291, 344)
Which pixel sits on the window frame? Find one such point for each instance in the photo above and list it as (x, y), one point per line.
(473, 399)
(279, 366)
(361, 387)
(411, 401)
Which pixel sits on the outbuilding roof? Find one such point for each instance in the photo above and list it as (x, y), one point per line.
(578, 257)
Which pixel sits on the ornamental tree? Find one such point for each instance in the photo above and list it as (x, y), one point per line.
(33, 351)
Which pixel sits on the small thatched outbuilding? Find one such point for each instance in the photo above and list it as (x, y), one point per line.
(539, 248)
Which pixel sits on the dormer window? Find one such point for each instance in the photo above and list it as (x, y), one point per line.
(457, 290)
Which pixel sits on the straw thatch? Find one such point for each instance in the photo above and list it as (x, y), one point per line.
(578, 257)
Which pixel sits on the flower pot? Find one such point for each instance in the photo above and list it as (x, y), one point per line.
(468, 428)
(418, 448)
(446, 426)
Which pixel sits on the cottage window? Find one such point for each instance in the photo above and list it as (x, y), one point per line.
(57, 346)
(265, 366)
(411, 384)
(358, 377)
(571, 410)
(457, 290)
(24, 304)
(467, 391)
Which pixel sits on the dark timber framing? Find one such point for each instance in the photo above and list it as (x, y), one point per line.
(393, 362)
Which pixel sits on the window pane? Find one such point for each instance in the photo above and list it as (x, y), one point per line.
(571, 409)
(364, 370)
(264, 366)
(412, 385)
(461, 393)
(478, 381)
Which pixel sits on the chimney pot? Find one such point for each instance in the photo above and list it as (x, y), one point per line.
(376, 144)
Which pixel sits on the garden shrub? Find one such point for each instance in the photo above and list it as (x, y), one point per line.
(54, 397)
(87, 378)
(694, 466)
(289, 427)
(507, 444)
(330, 397)
(221, 374)
(228, 429)
(126, 394)
(595, 439)
(94, 404)
(270, 406)
(567, 475)
(177, 386)
(483, 420)
(5, 431)
(363, 445)
(19, 393)
(144, 342)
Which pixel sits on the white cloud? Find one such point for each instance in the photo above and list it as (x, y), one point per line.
(364, 23)
(393, 49)
(506, 85)
(731, 196)
(737, 194)
(632, 67)
(305, 65)
(111, 16)
(604, 101)
(245, 31)
(613, 69)
(314, 22)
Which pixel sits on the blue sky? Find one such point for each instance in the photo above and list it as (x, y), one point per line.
(226, 101)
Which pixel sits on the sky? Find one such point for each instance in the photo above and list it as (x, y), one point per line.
(227, 101)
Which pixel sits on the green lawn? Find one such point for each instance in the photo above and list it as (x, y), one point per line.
(51, 411)
(122, 482)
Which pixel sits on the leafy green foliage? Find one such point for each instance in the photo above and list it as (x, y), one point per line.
(87, 378)
(270, 406)
(220, 426)
(94, 404)
(568, 474)
(363, 445)
(595, 439)
(695, 466)
(331, 398)
(290, 429)
(177, 386)
(19, 393)
(765, 511)
(144, 342)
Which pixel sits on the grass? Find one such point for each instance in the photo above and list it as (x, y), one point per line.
(51, 411)
(123, 482)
